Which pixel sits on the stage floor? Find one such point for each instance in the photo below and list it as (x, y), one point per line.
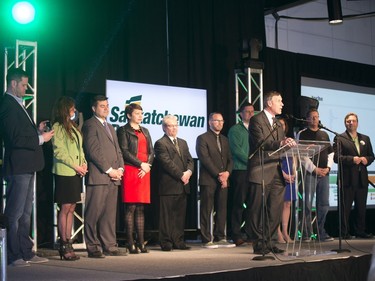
(158, 264)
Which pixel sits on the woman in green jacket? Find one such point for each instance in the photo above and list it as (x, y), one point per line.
(69, 166)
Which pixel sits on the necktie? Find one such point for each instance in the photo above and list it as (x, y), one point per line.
(218, 142)
(273, 122)
(356, 142)
(176, 145)
(108, 130)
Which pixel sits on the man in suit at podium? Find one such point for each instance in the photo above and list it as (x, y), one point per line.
(266, 132)
(356, 155)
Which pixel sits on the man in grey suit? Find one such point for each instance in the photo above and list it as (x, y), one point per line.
(105, 166)
(216, 165)
(176, 167)
(266, 132)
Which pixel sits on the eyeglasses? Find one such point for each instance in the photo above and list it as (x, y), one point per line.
(216, 120)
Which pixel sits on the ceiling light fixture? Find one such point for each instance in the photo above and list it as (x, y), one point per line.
(334, 11)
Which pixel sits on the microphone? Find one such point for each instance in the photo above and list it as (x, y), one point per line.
(320, 125)
(290, 116)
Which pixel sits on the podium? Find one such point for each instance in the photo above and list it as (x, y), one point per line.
(304, 154)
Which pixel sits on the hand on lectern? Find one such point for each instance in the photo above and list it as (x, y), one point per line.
(288, 142)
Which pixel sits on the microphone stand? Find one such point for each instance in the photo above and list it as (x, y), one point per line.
(339, 185)
(261, 155)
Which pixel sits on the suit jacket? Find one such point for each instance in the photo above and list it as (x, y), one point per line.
(353, 174)
(259, 129)
(101, 152)
(23, 154)
(212, 160)
(67, 152)
(172, 166)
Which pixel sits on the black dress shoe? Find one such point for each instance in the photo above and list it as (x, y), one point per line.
(96, 255)
(364, 235)
(239, 242)
(276, 250)
(166, 247)
(260, 251)
(116, 253)
(181, 247)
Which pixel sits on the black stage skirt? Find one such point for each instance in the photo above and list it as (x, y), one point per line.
(68, 189)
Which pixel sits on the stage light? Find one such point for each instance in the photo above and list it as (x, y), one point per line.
(23, 12)
(334, 11)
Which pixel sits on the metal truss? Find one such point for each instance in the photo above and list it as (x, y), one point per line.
(249, 88)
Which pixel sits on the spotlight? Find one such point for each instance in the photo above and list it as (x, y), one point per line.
(23, 12)
(334, 11)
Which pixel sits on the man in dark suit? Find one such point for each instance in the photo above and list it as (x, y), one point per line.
(23, 157)
(105, 166)
(265, 131)
(216, 165)
(356, 154)
(176, 167)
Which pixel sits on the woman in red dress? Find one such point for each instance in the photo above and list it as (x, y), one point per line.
(136, 146)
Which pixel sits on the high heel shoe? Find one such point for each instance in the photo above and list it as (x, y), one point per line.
(142, 248)
(70, 242)
(66, 251)
(133, 249)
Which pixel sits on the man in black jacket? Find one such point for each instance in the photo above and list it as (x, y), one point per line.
(266, 132)
(23, 157)
(176, 167)
(356, 154)
(216, 165)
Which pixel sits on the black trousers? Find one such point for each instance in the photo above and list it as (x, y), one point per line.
(172, 219)
(273, 206)
(241, 194)
(213, 198)
(359, 197)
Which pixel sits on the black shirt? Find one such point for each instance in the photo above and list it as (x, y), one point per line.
(318, 135)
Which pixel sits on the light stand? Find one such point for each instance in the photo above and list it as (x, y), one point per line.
(339, 186)
(260, 150)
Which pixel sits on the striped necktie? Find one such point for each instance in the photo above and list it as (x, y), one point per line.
(105, 124)
(177, 147)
